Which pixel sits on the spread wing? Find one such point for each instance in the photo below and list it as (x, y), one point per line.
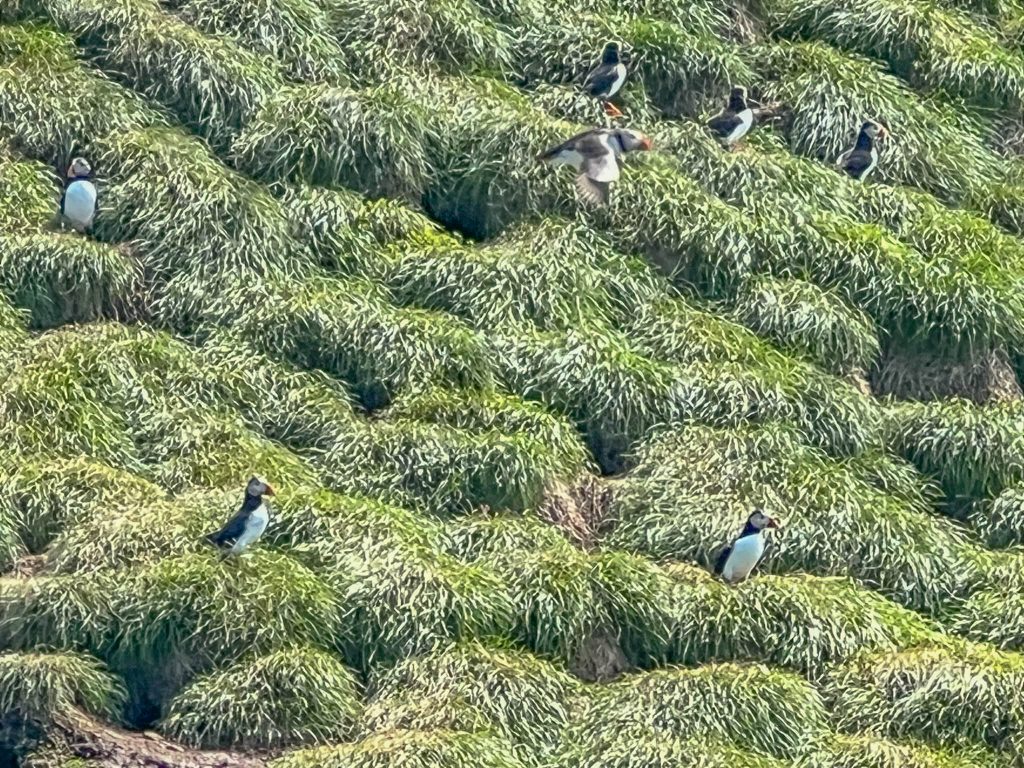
(571, 144)
(722, 557)
(856, 162)
(234, 528)
(594, 191)
(600, 81)
(724, 124)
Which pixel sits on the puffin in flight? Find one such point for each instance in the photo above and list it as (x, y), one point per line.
(595, 155)
(860, 161)
(78, 203)
(735, 121)
(606, 79)
(737, 560)
(249, 522)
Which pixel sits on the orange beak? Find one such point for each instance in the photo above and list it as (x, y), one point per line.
(70, 171)
(772, 523)
(269, 491)
(646, 143)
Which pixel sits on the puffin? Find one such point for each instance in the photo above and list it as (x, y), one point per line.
(606, 79)
(594, 154)
(860, 161)
(78, 203)
(737, 560)
(249, 522)
(735, 121)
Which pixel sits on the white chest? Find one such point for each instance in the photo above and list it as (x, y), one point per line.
(620, 78)
(746, 118)
(254, 528)
(80, 202)
(871, 165)
(746, 553)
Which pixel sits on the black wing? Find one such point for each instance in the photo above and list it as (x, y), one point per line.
(234, 528)
(570, 143)
(857, 162)
(600, 81)
(722, 557)
(724, 124)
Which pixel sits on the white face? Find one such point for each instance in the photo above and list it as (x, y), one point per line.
(259, 487)
(760, 520)
(79, 167)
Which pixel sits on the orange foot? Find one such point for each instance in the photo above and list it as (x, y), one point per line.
(611, 110)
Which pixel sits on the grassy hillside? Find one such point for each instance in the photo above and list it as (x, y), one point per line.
(509, 432)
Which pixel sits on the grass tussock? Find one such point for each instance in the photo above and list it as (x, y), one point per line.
(1000, 521)
(48, 494)
(446, 469)
(396, 35)
(371, 140)
(964, 695)
(810, 322)
(692, 489)
(61, 279)
(52, 104)
(297, 34)
(415, 749)
(39, 687)
(555, 274)
(291, 696)
(973, 451)
(643, 746)
(872, 752)
(349, 329)
(27, 195)
(470, 687)
(211, 83)
(992, 616)
(723, 701)
(347, 232)
(196, 612)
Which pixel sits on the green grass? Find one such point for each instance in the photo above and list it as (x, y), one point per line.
(508, 431)
(292, 696)
(416, 749)
(471, 686)
(961, 695)
(38, 687)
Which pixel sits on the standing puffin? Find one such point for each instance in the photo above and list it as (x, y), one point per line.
(249, 522)
(606, 79)
(595, 154)
(737, 560)
(734, 122)
(860, 161)
(78, 203)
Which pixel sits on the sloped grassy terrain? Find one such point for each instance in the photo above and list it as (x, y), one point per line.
(509, 433)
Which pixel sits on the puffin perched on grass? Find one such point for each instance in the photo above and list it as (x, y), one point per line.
(735, 121)
(78, 203)
(249, 522)
(606, 79)
(737, 560)
(595, 155)
(860, 161)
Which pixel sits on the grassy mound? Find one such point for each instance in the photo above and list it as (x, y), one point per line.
(38, 687)
(693, 488)
(962, 694)
(416, 749)
(291, 696)
(471, 687)
(510, 431)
